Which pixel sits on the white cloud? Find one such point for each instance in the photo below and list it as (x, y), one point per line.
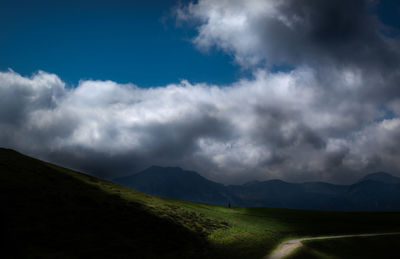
(230, 25)
(275, 125)
(322, 121)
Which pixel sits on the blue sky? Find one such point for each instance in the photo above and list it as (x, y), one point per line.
(123, 41)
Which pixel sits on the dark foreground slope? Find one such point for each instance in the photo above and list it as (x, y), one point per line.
(52, 212)
(49, 213)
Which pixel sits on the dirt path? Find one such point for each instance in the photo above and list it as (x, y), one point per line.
(287, 247)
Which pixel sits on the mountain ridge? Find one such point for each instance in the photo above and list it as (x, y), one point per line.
(381, 177)
(176, 183)
(369, 193)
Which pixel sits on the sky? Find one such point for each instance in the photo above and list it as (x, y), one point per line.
(300, 90)
(124, 41)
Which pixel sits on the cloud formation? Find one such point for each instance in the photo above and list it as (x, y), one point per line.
(288, 32)
(333, 117)
(275, 125)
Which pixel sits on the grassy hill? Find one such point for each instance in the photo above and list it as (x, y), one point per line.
(49, 211)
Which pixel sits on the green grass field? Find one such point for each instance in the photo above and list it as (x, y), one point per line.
(352, 248)
(50, 211)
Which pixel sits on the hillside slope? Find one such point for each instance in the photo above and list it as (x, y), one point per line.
(51, 212)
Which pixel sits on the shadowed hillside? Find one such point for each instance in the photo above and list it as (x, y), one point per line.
(48, 213)
(51, 212)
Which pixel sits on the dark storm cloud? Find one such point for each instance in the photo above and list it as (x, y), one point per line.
(344, 32)
(330, 37)
(177, 139)
(310, 32)
(274, 121)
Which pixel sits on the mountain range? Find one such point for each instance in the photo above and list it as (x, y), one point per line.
(376, 191)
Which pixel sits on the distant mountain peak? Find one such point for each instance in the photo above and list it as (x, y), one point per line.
(381, 177)
(177, 168)
(376, 191)
(176, 183)
(252, 183)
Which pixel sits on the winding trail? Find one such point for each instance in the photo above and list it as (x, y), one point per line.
(286, 248)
